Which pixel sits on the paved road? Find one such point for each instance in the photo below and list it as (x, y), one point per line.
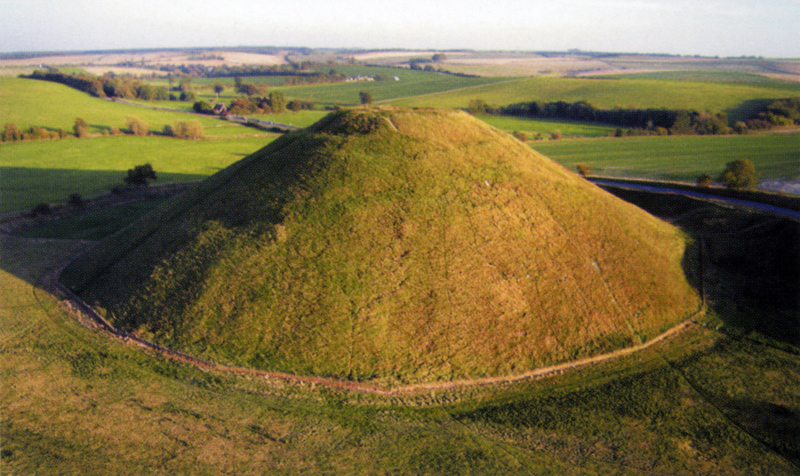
(782, 212)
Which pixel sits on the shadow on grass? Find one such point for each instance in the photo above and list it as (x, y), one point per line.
(746, 265)
(748, 109)
(22, 188)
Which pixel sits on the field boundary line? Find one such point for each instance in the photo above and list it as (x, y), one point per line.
(88, 317)
(465, 88)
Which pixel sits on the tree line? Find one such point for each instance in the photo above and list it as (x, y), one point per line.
(80, 129)
(642, 121)
(104, 86)
(662, 121)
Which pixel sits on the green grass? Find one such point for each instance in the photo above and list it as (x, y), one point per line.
(92, 225)
(723, 77)
(544, 127)
(77, 402)
(49, 171)
(411, 84)
(680, 158)
(737, 100)
(28, 102)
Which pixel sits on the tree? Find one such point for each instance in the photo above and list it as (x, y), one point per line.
(294, 105)
(521, 136)
(11, 132)
(218, 88)
(75, 200)
(555, 135)
(140, 174)
(477, 106)
(584, 169)
(202, 107)
(81, 128)
(704, 179)
(248, 89)
(739, 174)
(365, 97)
(277, 102)
(185, 130)
(188, 96)
(40, 209)
(137, 126)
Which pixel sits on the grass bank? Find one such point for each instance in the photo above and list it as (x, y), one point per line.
(76, 402)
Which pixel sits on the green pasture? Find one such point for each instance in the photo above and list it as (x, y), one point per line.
(737, 100)
(720, 77)
(411, 84)
(94, 224)
(49, 171)
(297, 119)
(76, 401)
(545, 127)
(28, 102)
(681, 158)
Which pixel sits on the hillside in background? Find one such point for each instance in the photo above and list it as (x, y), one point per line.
(394, 245)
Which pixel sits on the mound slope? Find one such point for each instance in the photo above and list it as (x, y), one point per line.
(394, 245)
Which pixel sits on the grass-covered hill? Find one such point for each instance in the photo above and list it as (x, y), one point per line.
(395, 246)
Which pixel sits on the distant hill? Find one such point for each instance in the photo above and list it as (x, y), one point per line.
(397, 246)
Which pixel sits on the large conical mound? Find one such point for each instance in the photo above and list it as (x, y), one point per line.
(394, 245)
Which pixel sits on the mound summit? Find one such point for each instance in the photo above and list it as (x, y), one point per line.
(396, 246)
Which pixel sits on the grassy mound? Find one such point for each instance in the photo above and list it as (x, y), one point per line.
(394, 245)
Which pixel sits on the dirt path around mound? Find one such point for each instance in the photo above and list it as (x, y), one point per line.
(88, 317)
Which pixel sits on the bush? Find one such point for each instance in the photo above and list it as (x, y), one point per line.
(704, 180)
(40, 209)
(188, 96)
(521, 136)
(137, 126)
(202, 107)
(140, 174)
(739, 174)
(75, 200)
(185, 130)
(11, 133)
(365, 97)
(81, 128)
(740, 128)
(478, 106)
(584, 170)
(556, 135)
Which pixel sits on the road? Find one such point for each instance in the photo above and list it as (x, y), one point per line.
(782, 212)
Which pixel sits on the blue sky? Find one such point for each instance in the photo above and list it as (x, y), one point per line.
(768, 28)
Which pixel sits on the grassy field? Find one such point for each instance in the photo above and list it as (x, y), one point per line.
(92, 225)
(544, 127)
(719, 77)
(411, 84)
(76, 402)
(49, 171)
(737, 100)
(681, 158)
(27, 102)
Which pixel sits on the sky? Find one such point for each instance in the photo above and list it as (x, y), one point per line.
(769, 28)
